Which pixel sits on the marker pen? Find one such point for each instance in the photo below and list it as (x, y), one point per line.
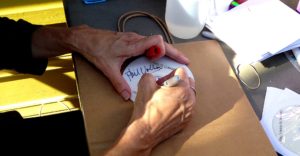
(233, 4)
(173, 81)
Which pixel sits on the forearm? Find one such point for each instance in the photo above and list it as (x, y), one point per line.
(16, 50)
(53, 41)
(132, 141)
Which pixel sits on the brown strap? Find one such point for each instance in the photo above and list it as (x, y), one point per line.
(125, 17)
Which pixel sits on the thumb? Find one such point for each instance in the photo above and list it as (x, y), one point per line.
(147, 86)
(120, 84)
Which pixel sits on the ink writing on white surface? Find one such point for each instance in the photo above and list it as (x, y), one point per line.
(139, 71)
(159, 68)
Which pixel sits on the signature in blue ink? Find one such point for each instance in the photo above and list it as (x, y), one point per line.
(164, 66)
(131, 73)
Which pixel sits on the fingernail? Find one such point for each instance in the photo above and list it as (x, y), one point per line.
(186, 60)
(125, 95)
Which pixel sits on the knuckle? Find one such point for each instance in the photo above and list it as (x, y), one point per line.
(159, 37)
(131, 34)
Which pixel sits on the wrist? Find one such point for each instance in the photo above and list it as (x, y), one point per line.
(71, 39)
(49, 42)
(80, 39)
(134, 140)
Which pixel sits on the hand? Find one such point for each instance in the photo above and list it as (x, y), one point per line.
(108, 50)
(159, 113)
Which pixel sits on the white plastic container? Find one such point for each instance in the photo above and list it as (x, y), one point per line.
(186, 18)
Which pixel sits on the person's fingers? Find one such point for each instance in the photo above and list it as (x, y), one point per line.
(179, 71)
(192, 82)
(192, 98)
(161, 80)
(176, 54)
(130, 37)
(192, 85)
(140, 46)
(188, 115)
(189, 85)
(119, 83)
(182, 74)
(146, 86)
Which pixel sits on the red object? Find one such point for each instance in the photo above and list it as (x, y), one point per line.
(240, 1)
(235, 1)
(153, 52)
